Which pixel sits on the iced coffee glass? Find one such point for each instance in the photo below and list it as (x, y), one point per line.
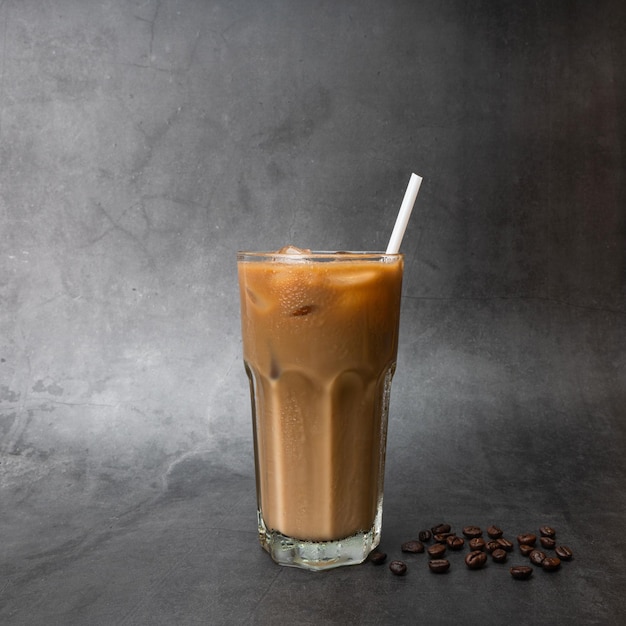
(320, 338)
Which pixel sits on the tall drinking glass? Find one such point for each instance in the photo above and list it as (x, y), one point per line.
(320, 338)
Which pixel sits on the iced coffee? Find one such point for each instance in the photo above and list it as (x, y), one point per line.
(320, 337)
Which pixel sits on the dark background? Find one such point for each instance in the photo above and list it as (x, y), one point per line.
(143, 142)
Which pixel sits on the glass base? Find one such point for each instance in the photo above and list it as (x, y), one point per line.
(319, 555)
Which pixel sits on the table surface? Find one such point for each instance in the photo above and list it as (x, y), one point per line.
(528, 429)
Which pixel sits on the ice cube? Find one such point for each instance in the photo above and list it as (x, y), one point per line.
(256, 300)
(303, 310)
(354, 278)
(293, 250)
(291, 254)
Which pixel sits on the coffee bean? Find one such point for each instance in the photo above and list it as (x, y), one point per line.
(440, 528)
(505, 544)
(499, 555)
(477, 543)
(547, 531)
(439, 566)
(398, 568)
(521, 572)
(490, 546)
(437, 550)
(455, 543)
(414, 547)
(526, 550)
(497, 546)
(377, 557)
(494, 532)
(537, 557)
(564, 553)
(476, 559)
(551, 563)
(472, 531)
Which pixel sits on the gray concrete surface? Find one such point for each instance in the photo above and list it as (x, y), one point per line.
(143, 142)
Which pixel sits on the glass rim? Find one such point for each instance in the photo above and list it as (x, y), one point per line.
(320, 255)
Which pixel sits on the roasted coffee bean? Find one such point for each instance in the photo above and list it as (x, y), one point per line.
(547, 531)
(440, 528)
(377, 557)
(476, 559)
(548, 542)
(505, 544)
(527, 539)
(439, 566)
(494, 532)
(499, 555)
(490, 546)
(415, 547)
(437, 550)
(455, 543)
(564, 553)
(537, 557)
(472, 531)
(477, 543)
(551, 563)
(424, 535)
(442, 537)
(521, 572)
(398, 568)
(526, 550)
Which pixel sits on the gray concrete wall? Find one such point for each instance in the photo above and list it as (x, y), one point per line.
(143, 142)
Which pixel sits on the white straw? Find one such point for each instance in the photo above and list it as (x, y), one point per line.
(404, 214)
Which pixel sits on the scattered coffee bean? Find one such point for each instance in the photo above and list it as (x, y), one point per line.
(526, 550)
(472, 531)
(477, 543)
(537, 557)
(564, 553)
(398, 568)
(440, 528)
(437, 550)
(551, 563)
(497, 546)
(521, 572)
(499, 555)
(414, 547)
(377, 557)
(455, 543)
(476, 559)
(439, 566)
(494, 532)
(505, 544)
(490, 546)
